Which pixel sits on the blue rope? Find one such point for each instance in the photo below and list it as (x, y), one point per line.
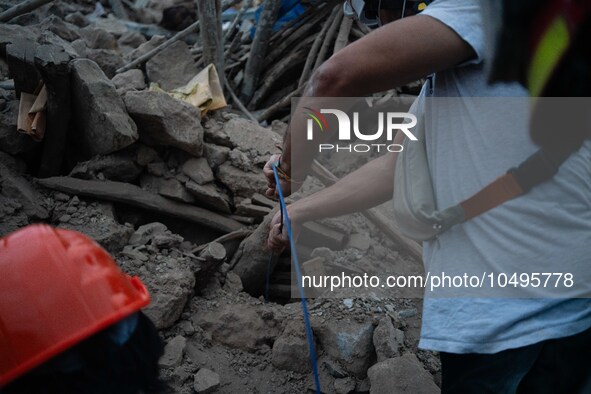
(300, 287)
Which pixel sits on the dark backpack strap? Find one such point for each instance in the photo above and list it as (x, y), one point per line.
(536, 169)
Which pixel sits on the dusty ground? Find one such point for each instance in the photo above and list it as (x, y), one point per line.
(122, 136)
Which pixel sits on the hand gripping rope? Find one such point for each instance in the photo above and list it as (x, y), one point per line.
(299, 279)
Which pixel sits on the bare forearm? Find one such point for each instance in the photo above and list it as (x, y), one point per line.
(367, 187)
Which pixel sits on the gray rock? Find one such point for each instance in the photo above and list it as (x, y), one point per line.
(145, 233)
(198, 170)
(240, 326)
(16, 187)
(99, 224)
(387, 340)
(209, 196)
(290, 350)
(129, 80)
(245, 135)
(108, 60)
(101, 120)
(131, 39)
(173, 352)
(251, 258)
(359, 241)
(173, 67)
(77, 18)
(216, 155)
(111, 25)
(80, 47)
(344, 385)
(145, 48)
(348, 342)
(170, 290)
(165, 121)
(63, 29)
(233, 283)
(145, 155)
(115, 167)
(96, 38)
(241, 183)
(11, 141)
(170, 188)
(206, 381)
(400, 375)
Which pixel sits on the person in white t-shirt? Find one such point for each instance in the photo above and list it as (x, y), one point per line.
(486, 345)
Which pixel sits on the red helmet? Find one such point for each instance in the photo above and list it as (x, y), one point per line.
(57, 288)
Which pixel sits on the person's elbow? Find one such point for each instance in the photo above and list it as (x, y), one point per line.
(330, 80)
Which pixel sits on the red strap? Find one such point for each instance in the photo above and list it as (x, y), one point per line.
(502, 189)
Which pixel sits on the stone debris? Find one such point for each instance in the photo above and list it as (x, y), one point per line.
(387, 340)
(99, 111)
(162, 189)
(206, 381)
(173, 352)
(400, 375)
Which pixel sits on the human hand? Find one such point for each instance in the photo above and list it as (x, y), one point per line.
(271, 184)
(278, 238)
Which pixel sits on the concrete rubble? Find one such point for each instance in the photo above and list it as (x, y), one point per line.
(195, 185)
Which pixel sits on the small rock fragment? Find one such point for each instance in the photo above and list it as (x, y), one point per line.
(206, 381)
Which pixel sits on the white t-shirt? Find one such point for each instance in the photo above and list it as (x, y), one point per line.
(547, 228)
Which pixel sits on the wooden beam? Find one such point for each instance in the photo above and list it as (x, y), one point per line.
(22, 8)
(133, 195)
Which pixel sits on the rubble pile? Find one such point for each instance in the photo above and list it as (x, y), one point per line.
(173, 191)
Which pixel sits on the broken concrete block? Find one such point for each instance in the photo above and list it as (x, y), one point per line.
(240, 326)
(96, 38)
(77, 18)
(165, 121)
(206, 381)
(387, 340)
(145, 233)
(233, 283)
(170, 290)
(349, 343)
(209, 196)
(129, 80)
(108, 60)
(359, 241)
(173, 67)
(173, 352)
(251, 259)
(145, 155)
(247, 136)
(290, 350)
(102, 123)
(131, 39)
(116, 167)
(170, 188)
(401, 375)
(62, 29)
(344, 386)
(198, 170)
(216, 155)
(241, 183)
(111, 25)
(145, 47)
